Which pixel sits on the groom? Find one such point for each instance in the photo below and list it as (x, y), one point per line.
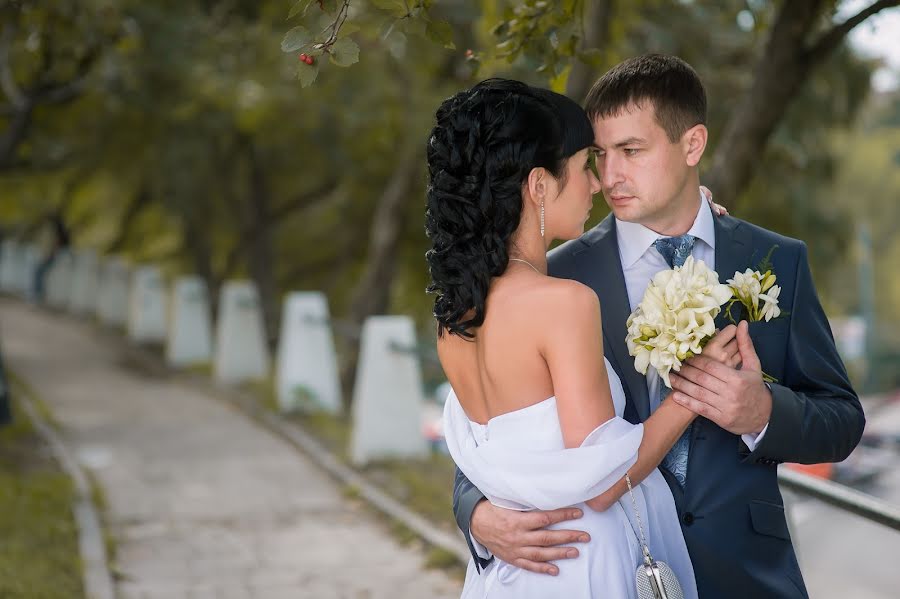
(649, 116)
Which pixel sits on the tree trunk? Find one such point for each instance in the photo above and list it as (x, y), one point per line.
(135, 207)
(17, 131)
(597, 19)
(372, 293)
(261, 249)
(779, 74)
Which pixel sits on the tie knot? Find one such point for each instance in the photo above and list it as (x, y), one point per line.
(675, 250)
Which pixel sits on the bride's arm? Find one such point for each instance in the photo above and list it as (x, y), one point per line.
(661, 430)
(573, 350)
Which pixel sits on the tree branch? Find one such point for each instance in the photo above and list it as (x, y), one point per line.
(7, 81)
(303, 200)
(596, 19)
(830, 40)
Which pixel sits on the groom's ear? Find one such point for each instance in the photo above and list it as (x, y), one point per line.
(693, 142)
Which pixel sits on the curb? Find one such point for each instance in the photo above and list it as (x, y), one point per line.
(98, 582)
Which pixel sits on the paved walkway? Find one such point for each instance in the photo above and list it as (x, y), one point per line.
(202, 502)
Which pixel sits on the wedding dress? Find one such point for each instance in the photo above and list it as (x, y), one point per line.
(518, 461)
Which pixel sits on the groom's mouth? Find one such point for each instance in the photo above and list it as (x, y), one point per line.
(620, 200)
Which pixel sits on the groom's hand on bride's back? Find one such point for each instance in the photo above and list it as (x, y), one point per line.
(523, 539)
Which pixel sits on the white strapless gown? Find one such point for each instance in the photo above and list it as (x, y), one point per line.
(519, 461)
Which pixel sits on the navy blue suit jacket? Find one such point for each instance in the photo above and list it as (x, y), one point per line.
(731, 509)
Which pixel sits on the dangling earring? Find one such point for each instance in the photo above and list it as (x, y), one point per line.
(542, 218)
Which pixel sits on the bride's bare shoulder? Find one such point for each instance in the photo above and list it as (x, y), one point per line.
(565, 297)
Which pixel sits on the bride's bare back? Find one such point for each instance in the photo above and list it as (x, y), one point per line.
(541, 337)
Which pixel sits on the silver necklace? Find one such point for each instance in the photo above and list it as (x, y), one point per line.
(526, 262)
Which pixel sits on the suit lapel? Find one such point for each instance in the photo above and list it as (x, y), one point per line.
(734, 252)
(601, 269)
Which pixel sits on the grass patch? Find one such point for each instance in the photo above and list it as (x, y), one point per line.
(441, 559)
(38, 535)
(425, 486)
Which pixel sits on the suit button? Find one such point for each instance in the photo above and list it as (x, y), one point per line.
(688, 518)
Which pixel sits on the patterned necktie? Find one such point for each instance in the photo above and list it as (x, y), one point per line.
(676, 250)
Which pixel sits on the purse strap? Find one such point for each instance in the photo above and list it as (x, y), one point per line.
(648, 559)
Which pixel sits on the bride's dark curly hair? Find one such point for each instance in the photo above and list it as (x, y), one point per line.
(486, 141)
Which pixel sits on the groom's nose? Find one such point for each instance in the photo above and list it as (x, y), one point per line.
(611, 172)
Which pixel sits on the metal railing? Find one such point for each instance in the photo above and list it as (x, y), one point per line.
(842, 497)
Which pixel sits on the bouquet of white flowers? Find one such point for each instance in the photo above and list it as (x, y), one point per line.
(676, 317)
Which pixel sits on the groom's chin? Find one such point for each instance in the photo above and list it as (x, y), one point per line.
(628, 214)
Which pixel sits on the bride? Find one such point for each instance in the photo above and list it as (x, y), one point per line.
(535, 416)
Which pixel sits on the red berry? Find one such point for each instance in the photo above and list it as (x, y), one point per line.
(303, 57)
(309, 60)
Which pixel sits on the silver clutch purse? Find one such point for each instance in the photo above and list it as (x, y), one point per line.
(655, 580)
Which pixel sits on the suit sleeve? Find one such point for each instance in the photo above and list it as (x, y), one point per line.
(465, 497)
(816, 415)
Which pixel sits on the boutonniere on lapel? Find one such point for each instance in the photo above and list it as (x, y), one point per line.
(757, 294)
(676, 317)
(756, 291)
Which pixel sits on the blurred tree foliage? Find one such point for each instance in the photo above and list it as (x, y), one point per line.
(177, 131)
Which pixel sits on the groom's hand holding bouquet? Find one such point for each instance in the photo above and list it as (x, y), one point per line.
(673, 330)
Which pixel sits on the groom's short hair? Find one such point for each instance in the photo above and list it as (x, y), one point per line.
(668, 82)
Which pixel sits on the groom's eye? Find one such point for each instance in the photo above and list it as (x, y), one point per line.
(631, 151)
(592, 164)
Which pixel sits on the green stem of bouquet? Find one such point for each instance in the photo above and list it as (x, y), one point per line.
(752, 318)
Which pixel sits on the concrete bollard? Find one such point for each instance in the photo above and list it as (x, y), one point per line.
(147, 306)
(306, 372)
(9, 266)
(85, 283)
(59, 281)
(190, 333)
(241, 352)
(387, 393)
(112, 298)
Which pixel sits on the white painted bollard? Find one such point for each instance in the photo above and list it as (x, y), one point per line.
(241, 352)
(59, 280)
(112, 298)
(30, 256)
(147, 306)
(307, 373)
(9, 266)
(190, 332)
(85, 283)
(387, 393)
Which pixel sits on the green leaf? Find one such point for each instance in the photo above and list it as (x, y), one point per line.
(440, 32)
(411, 26)
(295, 39)
(592, 57)
(349, 28)
(307, 73)
(299, 6)
(396, 7)
(344, 52)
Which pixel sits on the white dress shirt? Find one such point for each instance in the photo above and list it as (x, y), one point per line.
(641, 261)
